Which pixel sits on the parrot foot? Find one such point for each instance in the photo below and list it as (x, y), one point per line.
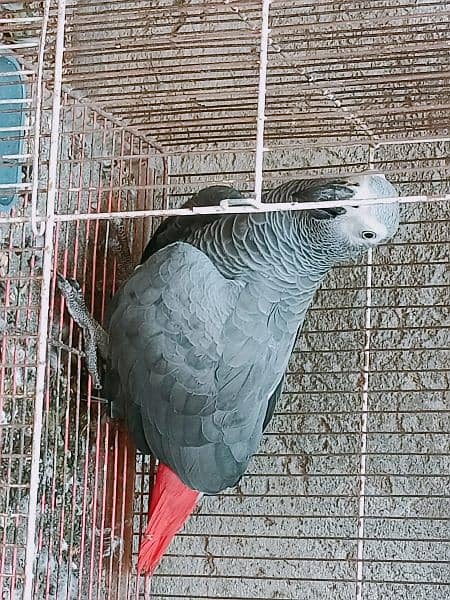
(95, 337)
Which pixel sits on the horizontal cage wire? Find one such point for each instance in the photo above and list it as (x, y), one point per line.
(347, 496)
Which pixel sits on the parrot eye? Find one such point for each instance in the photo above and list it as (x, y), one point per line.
(368, 235)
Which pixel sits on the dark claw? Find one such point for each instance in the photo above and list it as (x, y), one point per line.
(70, 289)
(74, 283)
(60, 279)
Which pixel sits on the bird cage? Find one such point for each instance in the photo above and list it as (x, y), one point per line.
(112, 114)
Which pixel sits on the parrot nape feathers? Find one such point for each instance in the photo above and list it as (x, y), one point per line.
(201, 333)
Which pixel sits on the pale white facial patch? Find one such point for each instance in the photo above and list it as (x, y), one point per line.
(358, 223)
(366, 225)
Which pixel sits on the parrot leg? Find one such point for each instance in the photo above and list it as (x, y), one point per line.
(121, 248)
(95, 337)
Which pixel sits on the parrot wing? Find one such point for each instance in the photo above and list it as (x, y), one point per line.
(184, 373)
(315, 190)
(272, 403)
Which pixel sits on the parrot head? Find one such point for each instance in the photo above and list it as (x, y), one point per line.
(357, 227)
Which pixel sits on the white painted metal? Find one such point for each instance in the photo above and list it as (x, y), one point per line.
(44, 308)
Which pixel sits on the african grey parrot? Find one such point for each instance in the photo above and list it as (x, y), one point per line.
(201, 333)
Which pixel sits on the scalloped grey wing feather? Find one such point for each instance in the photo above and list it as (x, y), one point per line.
(198, 371)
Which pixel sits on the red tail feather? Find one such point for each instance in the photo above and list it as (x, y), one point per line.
(171, 504)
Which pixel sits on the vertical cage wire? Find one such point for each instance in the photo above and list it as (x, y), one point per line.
(47, 230)
(21, 279)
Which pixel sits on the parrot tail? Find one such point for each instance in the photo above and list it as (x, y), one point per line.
(171, 504)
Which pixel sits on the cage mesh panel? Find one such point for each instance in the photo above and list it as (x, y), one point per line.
(19, 285)
(85, 538)
(21, 257)
(340, 76)
(187, 73)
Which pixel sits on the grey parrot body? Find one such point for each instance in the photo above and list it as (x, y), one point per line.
(201, 333)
